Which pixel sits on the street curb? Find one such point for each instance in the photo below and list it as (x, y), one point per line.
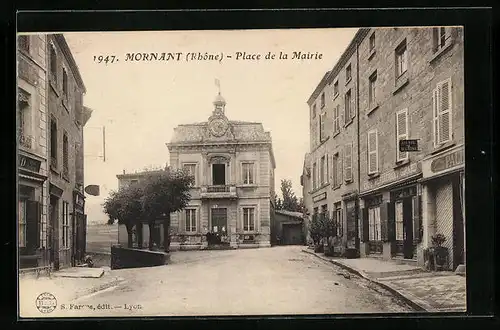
(419, 306)
(95, 290)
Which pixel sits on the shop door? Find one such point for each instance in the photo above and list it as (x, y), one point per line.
(52, 233)
(458, 227)
(408, 228)
(219, 220)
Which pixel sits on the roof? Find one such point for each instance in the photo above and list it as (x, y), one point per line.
(330, 75)
(290, 213)
(238, 131)
(71, 60)
(137, 174)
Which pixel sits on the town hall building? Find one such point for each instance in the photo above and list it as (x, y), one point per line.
(233, 166)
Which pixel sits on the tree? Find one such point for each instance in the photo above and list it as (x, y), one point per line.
(290, 201)
(165, 192)
(125, 206)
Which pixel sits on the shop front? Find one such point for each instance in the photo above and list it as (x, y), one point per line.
(79, 225)
(30, 208)
(443, 185)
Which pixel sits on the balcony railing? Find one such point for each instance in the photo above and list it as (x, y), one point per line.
(25, 141)
(218, 189)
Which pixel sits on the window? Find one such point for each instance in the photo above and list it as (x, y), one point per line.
(315, 176)
(401, 133)
(24, 43)
(248, 219)
(399, 221)
(190, 169)
(348, 111)
(372, 152)
(348, 73)
(348, 162)
(65, 155)
(336, 119)
(324, 211)
(191, 220)
(372, 91)
(314, 110)
(401, 59)
(248, 173)
(442, 111)
(53, 142)
(65, 225)
(335, 88)
(323, 100)
(322, 131)
(335, 166)
(441, 37)
(372, 42)
(132, 182)
(65, 83)
(22, 223)
(339, 228)
(25, 139)
(374, 226)
(323, 170)
(53, 63)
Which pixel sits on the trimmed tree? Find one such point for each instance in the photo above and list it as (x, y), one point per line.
(125, 207)
(165, 192)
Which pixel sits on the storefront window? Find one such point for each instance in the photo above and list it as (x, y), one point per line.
(399, 221)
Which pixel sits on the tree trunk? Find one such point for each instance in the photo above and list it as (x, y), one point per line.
(129, 234)
(139, 235)
(151, 224)
(166, 233)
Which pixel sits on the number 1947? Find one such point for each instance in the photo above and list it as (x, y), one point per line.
(105, 59)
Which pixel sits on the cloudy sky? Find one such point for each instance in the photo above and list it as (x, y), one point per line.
(140, 103)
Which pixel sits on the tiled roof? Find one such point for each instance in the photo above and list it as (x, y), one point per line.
(290, 213)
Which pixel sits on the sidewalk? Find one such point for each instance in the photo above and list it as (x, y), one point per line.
(425, 291)
(66, 286)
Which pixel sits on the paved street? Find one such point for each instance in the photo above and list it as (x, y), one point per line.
(279, 280)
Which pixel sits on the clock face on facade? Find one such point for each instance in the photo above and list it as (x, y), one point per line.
(218, 127)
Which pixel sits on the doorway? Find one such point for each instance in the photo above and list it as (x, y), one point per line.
(292, 234)
(218, 225)
(458, 226)
(219, 174)
(408, 228)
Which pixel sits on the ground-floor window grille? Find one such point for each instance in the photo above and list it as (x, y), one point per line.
(190, 220)
(22, 223)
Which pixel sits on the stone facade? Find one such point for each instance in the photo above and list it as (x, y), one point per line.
(66, 118)
(410, 83)
(233, 165)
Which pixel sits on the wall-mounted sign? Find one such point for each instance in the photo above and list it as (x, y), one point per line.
(319, 197)
(392, 175)
(448, 161)
(29, 164)
(408, 145)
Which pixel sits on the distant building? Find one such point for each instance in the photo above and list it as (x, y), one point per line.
(233, 165)
(289, 227)
(406, 83)
(51, 116)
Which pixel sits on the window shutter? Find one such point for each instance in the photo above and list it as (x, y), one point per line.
(435, 110)
(444, 114)
(340, 168)
(401, 132)
(351, 221)
(353, 112)
(32, 222)
(364, 226)
(372, 152)
(348, 162)
(334, 220)
(383, 222)
(327, 169)
(416, 218)
(391, 225)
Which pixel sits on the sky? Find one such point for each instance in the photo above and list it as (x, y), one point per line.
(140, 102)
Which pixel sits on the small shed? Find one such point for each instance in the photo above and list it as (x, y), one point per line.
(288, 228)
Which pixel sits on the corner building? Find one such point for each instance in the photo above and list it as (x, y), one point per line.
(233, 166)
(410, 84)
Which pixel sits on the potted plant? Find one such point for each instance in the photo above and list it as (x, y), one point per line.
(315, 233)
(439, 252)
